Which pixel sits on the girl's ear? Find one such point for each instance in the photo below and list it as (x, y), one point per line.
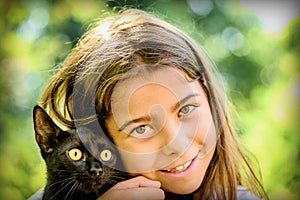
(46, 131)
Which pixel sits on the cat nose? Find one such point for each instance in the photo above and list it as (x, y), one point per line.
(96, 167)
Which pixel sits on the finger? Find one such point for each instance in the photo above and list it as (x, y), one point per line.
(134, 194)
(137, 182)
(145, 193)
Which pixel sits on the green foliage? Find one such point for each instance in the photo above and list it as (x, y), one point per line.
(261, 70)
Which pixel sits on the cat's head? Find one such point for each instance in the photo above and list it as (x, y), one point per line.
(78, 155)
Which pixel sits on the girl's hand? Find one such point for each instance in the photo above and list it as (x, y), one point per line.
(138, 188)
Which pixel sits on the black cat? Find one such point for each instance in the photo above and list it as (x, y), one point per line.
(80, 164)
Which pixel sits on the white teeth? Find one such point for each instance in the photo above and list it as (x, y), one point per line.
(180, 168)
(186, 165)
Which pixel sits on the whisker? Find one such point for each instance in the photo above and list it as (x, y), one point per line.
(61, 189)
(59, 182)
(71, 191)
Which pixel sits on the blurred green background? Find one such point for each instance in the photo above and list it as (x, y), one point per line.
(259, 63)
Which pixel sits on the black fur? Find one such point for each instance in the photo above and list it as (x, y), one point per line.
(86, 178)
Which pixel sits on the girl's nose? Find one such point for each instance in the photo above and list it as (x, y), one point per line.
(175, 138)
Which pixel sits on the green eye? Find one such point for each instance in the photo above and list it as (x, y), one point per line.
(141, 129)
(75, 154)
(185, 110)
(105, 155)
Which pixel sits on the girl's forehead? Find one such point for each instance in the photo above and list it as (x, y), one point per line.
(167, 78)
(164, 88)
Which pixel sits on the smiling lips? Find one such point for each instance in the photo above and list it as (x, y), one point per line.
(179, 168)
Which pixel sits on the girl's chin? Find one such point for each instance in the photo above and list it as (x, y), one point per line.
(187, 189)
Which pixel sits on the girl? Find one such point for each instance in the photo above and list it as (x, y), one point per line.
(153, 91)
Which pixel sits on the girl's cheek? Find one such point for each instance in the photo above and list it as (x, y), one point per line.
(208, 140)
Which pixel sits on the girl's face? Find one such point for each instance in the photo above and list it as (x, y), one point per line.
(163, 128)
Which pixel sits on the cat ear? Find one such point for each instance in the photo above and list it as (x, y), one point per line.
(46, 131)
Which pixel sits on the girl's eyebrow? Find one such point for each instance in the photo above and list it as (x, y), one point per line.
(182, 101)
(147, 118)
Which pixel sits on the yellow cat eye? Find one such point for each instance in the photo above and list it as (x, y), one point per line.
(75, 154)
(105, 155)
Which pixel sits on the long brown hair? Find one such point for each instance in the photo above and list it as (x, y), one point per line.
(135, 40)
